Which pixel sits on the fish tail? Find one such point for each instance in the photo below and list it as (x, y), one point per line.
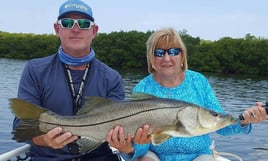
(25, 110)
(26, 131)
(29, 114)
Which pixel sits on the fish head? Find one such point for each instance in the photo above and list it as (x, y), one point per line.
(196, 121)
(213, 121)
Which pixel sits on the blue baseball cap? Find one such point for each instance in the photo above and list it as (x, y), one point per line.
(77, 6)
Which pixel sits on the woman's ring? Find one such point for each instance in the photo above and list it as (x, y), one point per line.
(252, 115)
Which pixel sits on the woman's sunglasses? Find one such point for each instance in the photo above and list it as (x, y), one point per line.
(170, 51)
(69, 23)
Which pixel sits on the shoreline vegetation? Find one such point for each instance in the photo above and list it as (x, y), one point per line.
(248, 55)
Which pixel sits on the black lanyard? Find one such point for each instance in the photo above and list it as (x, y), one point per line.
(77, 99)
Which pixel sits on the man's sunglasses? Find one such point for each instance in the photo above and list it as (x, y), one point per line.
(170, 51)
(69, 23)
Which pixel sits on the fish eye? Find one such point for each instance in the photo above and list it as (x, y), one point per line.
(213, 113)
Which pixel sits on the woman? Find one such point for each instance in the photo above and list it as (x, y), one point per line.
(170, 78)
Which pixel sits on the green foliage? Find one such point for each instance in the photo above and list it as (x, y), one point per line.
(27, 46)
(122, 49)
(246, 55)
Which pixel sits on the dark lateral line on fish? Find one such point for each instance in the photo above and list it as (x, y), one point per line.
(108, 120)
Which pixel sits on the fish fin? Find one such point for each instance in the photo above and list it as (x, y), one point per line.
(26, 131)
(93, 105)
(140, 96)
(87, 144)
(29, 115)
(159, 138)
(25, 110)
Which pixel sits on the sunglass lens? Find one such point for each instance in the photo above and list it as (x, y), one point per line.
(173, 51)
(67, 23)
(159, 52)
(84, 23)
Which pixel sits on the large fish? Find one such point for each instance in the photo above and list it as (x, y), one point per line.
(171, 118)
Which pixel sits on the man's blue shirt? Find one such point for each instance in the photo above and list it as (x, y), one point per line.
(44, 83)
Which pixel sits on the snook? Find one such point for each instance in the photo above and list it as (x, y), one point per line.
(173, 118)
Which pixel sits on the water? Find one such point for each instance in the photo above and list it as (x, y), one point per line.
(235, 94)
(10, 71)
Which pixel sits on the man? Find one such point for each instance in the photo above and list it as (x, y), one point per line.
(59, 83)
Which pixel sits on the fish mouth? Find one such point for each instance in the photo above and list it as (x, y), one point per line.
(233, 120)
(229, 118)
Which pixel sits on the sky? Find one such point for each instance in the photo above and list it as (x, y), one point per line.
(207, 19)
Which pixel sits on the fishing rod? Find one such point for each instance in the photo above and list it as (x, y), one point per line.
(241, 116)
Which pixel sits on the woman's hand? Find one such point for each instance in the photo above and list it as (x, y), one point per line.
(254, 114)
(142, 135)
(55, 138)
(116, 138)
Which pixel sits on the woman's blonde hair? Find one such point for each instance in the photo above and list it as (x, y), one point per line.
(168, 35)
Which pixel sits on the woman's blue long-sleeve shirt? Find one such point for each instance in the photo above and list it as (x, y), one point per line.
(196, 89)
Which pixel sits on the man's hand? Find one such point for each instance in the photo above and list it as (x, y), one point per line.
(55, 138)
